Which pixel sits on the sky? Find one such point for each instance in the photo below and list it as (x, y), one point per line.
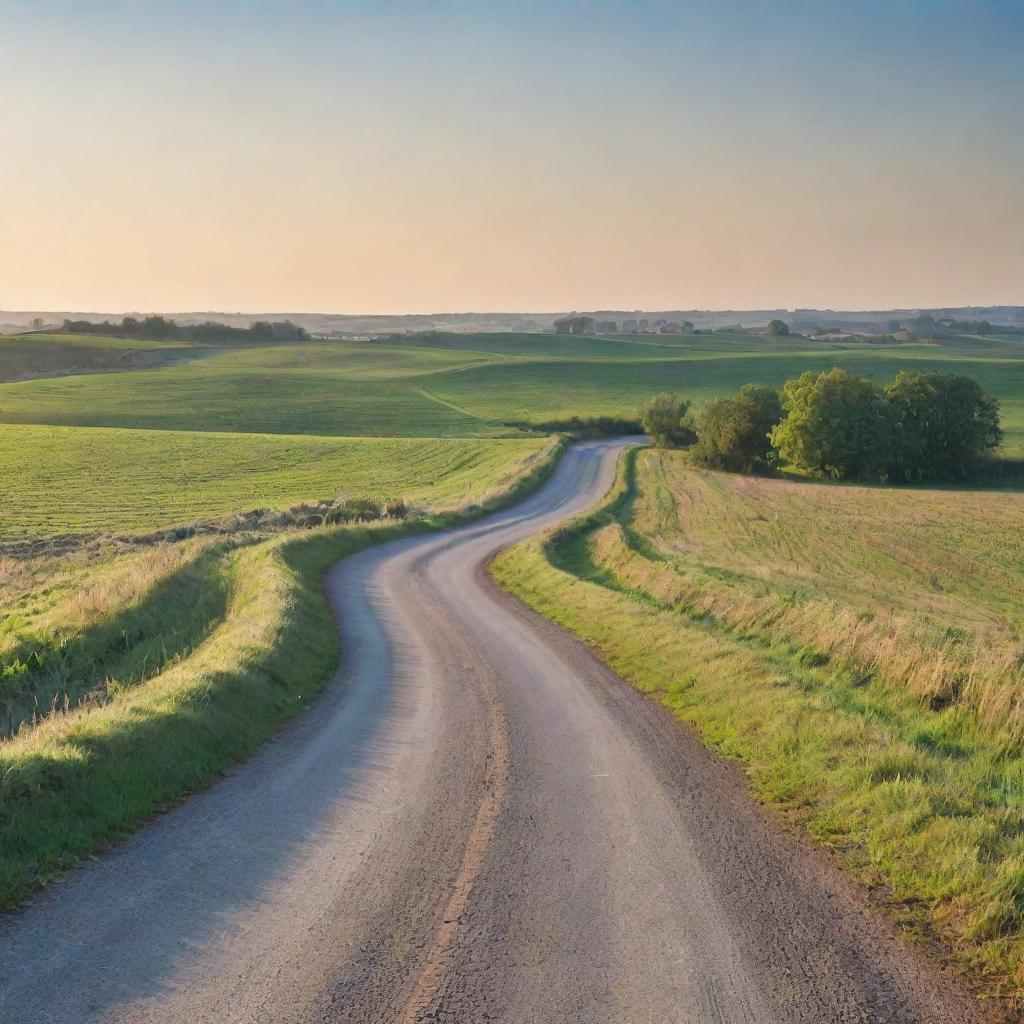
(361, 157)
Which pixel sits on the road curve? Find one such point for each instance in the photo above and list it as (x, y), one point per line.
(476, 822)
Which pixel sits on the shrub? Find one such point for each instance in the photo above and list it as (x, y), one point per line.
(733, 432)
(778, 328)
(837, 423)
(667, 420)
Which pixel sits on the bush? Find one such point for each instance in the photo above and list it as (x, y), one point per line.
(944, 425)
(837, 423)
(667, 420)
(778, 328)
(733, 432)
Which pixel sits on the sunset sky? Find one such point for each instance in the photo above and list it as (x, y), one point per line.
(420, 157)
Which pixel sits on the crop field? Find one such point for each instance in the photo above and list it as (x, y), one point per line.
(858, 648)
(425, 390)
(290, 401)
(540, 391)
(375, 361)
(63, 480)
(634, 346)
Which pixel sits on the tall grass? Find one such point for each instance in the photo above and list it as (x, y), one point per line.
(919, 588)
(128, 623)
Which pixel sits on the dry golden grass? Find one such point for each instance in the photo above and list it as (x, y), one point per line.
(922, 587)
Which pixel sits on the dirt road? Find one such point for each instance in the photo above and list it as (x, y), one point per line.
(476, 822)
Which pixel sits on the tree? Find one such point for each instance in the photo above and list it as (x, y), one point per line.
(667, 420)
(733, 432)
(943, 425)
(778, 328)
(837, 423)
(159, 327)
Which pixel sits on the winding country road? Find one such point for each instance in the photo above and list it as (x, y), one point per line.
(476, 822)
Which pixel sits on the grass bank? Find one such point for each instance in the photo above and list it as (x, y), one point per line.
(83, 777)
(799, 636)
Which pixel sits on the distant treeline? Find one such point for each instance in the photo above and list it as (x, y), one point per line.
(933, 427)
(161, 328)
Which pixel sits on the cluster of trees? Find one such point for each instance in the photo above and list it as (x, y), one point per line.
(929, 325)
(161, 329)
(918, 427)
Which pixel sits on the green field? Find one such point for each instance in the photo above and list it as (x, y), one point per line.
(63, 480)
(858, 648)
(541, 391)
(423, 389)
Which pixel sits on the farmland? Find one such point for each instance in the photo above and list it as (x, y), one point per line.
(484, 386)
(65, 480)
(118, 626)
(539, 391)
(858, 648)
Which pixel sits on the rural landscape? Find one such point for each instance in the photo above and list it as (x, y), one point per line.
(648, 649)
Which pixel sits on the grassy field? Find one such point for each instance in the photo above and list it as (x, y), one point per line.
(217, 398)
(65, 480)
(540, 391)
(423, 389)
(858, 648)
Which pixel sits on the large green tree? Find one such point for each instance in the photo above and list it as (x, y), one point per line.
(943, 425)
(837, 423)
(733, 431)
(667, 420)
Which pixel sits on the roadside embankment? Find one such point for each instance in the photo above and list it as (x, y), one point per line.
(216, 644)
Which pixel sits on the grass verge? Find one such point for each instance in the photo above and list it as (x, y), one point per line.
(920, 802)
(81, 779)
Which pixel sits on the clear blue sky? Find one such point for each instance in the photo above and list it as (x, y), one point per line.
(428, 156)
